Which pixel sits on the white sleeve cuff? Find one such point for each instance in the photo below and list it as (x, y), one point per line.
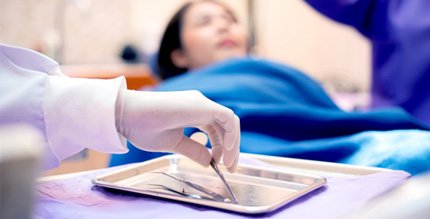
(80, 113)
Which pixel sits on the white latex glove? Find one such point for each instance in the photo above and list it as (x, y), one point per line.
(155, 121)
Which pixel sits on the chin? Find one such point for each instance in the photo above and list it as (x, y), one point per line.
(231, 55)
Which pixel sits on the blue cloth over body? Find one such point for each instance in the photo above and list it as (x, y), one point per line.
(399, 32)
(285, 113)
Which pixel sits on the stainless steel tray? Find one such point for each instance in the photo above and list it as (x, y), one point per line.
(258, 189)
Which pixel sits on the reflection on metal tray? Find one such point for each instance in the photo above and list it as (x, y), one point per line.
(321, 168)
(258, 189)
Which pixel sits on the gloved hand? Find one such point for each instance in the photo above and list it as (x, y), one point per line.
(155, 121)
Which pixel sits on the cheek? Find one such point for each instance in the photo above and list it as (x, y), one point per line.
(240, 36)
(198, 48)
(195, 40)
(197, 45)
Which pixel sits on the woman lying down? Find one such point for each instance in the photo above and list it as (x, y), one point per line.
(283, 112)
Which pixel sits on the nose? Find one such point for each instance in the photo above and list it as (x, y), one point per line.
(222, 25)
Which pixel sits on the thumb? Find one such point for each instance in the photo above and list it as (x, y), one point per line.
(193, 150)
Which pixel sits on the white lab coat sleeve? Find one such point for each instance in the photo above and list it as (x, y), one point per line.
(80, 113)
(71, 113)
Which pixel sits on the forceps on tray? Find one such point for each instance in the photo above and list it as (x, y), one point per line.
(212, 195)
(227, 186)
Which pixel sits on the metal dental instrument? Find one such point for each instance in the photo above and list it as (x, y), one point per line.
(226, 185)
(195, 196)
(197, 187)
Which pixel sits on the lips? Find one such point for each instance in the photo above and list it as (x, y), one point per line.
(227, 43)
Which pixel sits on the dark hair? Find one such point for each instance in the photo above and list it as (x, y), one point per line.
(171, 40)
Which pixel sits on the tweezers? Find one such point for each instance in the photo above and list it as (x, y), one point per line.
(226, 185)
(195, 196)
(200, 188)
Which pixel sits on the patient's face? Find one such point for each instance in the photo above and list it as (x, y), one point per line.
(210, 33)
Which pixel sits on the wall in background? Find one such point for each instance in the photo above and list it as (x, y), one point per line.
(94, 31)
(88, 31)
(294, 33)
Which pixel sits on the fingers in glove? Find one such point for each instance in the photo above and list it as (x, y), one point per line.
(229, 122)
(231, 156)
(193, 150)
(215, 133)
(232, 168)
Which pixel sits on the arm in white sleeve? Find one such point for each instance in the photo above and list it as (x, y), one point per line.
(71, 113)
(80, 113)
(76, 113)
